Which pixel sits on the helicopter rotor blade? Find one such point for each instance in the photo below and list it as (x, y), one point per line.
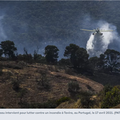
(88, 30)
(106, 30)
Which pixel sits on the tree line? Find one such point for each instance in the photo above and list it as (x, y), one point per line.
(76, 57)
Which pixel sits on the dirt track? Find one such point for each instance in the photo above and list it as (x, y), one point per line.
(92, 84)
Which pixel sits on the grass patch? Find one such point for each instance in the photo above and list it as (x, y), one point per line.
(48, 104)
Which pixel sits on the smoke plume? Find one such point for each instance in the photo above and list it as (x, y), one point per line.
(2, 33)
(98, 44)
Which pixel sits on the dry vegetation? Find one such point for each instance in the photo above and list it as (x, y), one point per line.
(30, 76)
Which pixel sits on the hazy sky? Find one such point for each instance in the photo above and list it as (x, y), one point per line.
(38, 24)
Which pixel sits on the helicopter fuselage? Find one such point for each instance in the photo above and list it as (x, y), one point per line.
(97, 31)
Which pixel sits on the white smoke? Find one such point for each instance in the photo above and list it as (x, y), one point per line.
(97, 44)
(2, 33)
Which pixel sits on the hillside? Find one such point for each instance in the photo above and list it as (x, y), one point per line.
(47, 61)
(29, 77)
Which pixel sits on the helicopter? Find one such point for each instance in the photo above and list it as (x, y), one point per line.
(99, 31)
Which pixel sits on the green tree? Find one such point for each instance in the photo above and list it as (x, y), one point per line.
(1, 52)
(101, 61)
(93, 63)
(70, 53)
(81, 58)
(51, 53)
(64, 62)
(78, 56)
(8, 48)
(112, 58)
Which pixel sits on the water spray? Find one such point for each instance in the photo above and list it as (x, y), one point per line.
(98, 44)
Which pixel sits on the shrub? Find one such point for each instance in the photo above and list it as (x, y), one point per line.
(111, 98)
(1, 68)
(21, 94)
(3, 59)
(38, 58)
(85, 99)
(63, 99)
(73, 87)
(1, 72)
(44, 83)
(16, 85)
(22, 63)
(25, 57)
(69, 71)
(17, 67)
(107, 88)
(48, 104)
(13, 66)
(86, 102)
(84, 93)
